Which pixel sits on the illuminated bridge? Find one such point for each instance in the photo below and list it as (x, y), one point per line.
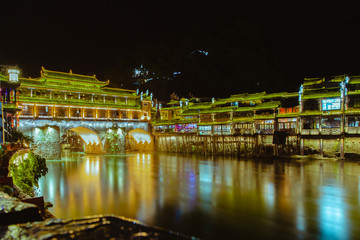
(57, 106)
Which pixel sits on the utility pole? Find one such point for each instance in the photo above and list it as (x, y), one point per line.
(342, 127)
(2, 140)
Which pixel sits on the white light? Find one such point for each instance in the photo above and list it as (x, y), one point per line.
(141, 137)
(13, 75)
(89, 136)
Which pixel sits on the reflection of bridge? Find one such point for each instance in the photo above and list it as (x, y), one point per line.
(57, 102)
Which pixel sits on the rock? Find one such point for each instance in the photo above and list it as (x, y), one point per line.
(104, 227)
(13, 211)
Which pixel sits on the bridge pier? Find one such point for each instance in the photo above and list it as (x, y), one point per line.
(47, 133)
(47, 142)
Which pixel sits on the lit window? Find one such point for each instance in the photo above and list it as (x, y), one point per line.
(13, 75)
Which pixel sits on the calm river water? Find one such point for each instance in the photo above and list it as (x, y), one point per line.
(211, 198)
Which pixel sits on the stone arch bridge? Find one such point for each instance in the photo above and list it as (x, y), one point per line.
(47, 135)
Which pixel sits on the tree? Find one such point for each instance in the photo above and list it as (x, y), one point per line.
(18, 137)
(26, 173)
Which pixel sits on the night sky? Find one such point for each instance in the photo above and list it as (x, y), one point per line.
(250, 48)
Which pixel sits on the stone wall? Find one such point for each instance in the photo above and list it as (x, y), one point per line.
(352, 145)
(46, 142)
(47, 134)
(331, 147)
(256, 145)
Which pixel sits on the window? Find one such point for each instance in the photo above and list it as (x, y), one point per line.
(13, 75)
(124, 114)
(330, 122)
(311, 123)
(311, 105)
(356, 102)
(204, 130)
(353, 121)
(135, 115)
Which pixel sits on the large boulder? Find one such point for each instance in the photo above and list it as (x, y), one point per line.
(104, 227)
(13, 211)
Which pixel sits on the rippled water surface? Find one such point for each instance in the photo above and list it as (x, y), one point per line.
(211, 198)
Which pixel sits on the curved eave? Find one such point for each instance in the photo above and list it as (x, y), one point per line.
(287, 115)
(264, 117)
(98, 83)
(215, 123)
(44, 74)
(100, 91)
(243, 119)
(11, 108)
(175, 121)
(119, 89)
(77, 103)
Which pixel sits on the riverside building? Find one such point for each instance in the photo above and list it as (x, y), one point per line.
(323, 117)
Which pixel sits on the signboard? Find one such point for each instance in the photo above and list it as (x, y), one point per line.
(331, 104)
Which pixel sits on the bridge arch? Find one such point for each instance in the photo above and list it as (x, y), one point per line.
(139, 140)
(91, 139)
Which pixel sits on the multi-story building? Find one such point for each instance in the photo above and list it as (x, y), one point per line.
(241, 114)
(59, 95)
(9, 82)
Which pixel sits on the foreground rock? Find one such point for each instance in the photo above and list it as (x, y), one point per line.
(12, 211)
(105, 227)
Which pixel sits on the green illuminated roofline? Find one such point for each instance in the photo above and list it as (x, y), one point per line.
(75, 103)
(55, 75)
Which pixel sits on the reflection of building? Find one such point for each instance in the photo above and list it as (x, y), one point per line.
(8, 99)
(75, 141)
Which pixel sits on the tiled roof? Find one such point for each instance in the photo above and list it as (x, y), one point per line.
(70, 76)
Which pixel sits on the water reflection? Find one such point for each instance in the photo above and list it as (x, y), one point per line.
(332, 213)
(211, 198)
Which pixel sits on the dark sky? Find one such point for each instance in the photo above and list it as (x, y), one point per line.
(251, 48)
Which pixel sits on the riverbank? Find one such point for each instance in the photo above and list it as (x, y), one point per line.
(25, 217)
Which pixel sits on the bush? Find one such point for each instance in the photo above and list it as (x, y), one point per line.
(17, 136)
(113, 141)
(26, 174)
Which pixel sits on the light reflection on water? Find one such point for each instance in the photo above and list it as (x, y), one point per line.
(212, 199)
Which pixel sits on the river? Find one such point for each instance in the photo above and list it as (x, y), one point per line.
(211, 198)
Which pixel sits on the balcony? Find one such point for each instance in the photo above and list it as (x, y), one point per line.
(352, 130)
(331, 131)
(310, 131)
